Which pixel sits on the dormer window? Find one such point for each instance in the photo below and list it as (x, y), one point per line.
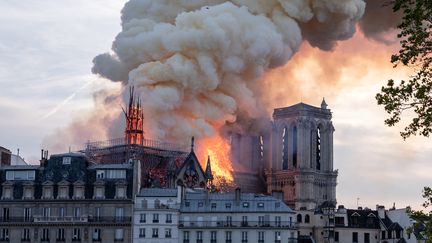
(7, 190)
(260, 205)
(100, 174)
(47, 190)
(245, 204)
(67, 160)
(20, 175)
(121, 189)
(63, 190)
(78, 192)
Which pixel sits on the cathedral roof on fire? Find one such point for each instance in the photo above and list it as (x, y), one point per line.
(190, 173)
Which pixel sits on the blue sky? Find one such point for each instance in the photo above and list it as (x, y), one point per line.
(46, 52)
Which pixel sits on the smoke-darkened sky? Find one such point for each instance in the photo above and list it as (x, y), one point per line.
(46, 53)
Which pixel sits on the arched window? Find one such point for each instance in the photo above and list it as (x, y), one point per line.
(294, 147)
(318, 149)
(299, 218)
(307, 218)
(285, 149)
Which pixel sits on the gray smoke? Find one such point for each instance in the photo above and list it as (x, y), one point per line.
(196, 63)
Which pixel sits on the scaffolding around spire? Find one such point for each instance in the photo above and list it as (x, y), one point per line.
(134, 131)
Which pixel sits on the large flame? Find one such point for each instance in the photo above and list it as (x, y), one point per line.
(218, 149)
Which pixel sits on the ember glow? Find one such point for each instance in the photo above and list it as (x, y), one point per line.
(218, 149)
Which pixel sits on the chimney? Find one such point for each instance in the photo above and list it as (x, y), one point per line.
(237, 195)
(381, 211)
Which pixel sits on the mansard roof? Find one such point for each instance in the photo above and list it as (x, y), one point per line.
(157, 192)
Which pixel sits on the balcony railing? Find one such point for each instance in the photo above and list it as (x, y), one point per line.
(81, 219)
(65, 219)
(237, 224)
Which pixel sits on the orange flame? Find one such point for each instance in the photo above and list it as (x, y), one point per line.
(219, 151)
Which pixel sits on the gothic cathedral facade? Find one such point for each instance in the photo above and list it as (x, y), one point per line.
(298, 153)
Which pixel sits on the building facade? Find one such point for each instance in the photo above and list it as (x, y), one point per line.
(66, 199)
(299, 156)
(235, 217)
(156, 215)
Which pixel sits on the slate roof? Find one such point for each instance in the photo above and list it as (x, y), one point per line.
(157, 192)
(364, 219)
(110, 166)
(201, 201)
(20, 167)
(72, 154)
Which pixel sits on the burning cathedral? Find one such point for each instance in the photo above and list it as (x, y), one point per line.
(292, 160)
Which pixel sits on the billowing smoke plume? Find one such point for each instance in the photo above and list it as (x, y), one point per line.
(196, 62)
(379, 21)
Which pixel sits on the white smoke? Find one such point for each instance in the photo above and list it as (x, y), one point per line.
(196, 62)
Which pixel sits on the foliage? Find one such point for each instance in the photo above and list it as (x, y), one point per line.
(423, 220)
(414, 94)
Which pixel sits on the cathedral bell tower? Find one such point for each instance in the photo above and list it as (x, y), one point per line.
(299, 156)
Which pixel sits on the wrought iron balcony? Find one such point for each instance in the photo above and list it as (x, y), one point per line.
(238, 224)
(65, 219)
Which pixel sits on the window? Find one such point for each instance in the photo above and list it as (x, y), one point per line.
(142, 232)
(318, 149)
(100, 174)
(354, 237)
(244, 221)
(277, 204)
(19, 175)
(142, 218)
(260, 236)
(229, 220)
(213, 236)
(278, 221)
(336, 236)
(60, 234)
(115, 174)
(4, 234)
(398, 234)
(260, 220)
(244, 236)
(199, 235)
(383, 234)
(213, 205)
(187, 204)
(260, 205)
(119, 213)
(285, 149)
(120, 191)
(228, 236)
(228, 205)
(366, 238)
(339, 221)
(25, 235)
(168, 218)
(155, 218)
(77, 212)
(307, 218)
(45, 234)
(67, 160)
(277, 236)
(245, 204)
(119, 235)
(167, 233)
(97, 235)
(97, 213)
(76, 235)
(46, 213)
(155, 233)
(294, 147)
(27, 214)
(186, 236)
(6, 213)
(299, 218)
(200, 204)
(99, 192)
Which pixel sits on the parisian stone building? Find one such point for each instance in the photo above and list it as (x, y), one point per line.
(67, 199)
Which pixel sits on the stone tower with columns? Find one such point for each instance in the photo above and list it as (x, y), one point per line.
(298, 153)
